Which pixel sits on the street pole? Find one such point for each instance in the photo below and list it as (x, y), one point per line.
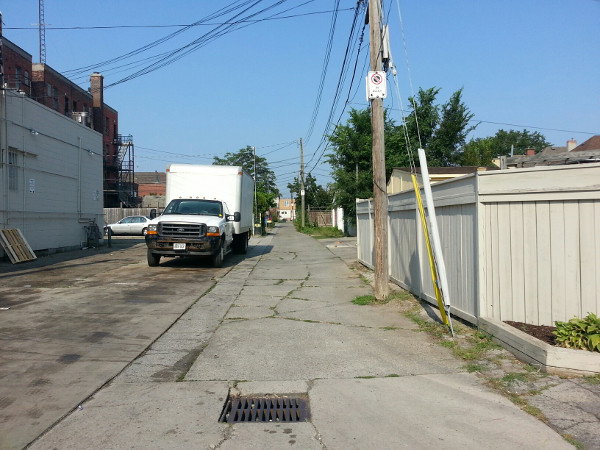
(255, 202)
(379, 187)
(302, 182)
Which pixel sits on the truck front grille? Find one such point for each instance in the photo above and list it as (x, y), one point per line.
(182, 230)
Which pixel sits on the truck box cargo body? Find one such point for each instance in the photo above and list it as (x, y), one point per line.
(208, 213)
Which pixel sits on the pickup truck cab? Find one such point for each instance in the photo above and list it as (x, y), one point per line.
(191, 227)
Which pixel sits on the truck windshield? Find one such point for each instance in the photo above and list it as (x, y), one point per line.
(198, 207)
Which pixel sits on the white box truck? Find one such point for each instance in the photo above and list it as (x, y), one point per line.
(208, 213)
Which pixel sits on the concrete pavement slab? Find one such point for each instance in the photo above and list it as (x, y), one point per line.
(325, 351)
(249, 312)
(346, 314)
(450, 411)
(142, 415)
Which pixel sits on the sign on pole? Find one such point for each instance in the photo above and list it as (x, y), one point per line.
(376, 85)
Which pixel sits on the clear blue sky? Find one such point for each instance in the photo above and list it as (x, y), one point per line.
(531, 63)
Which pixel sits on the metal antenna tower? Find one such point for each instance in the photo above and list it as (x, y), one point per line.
(42, 31)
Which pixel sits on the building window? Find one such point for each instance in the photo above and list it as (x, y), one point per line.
(13, 170)
(49, 90)
(74, 106)
(66, 105)
(106, 125)
(26, 80)
(18, 77)
(286, 203)
(55, 98)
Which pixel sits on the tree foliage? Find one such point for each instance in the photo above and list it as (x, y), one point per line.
(519, 140)
(265, 177)
(482, 151)
(266, 189)
(315, 196)
(442, 129)
(351, 159)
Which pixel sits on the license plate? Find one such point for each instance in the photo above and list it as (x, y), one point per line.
(179, 246)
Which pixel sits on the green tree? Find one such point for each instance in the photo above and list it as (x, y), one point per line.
(442, 129)
(265, 177)
(315, 196)
(351, 157)
(266, 189)
(478, 152)
(482, 151)
(519, 140)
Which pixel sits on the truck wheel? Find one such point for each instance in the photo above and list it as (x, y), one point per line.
(217, 258)
(153, 259)
(243, 244)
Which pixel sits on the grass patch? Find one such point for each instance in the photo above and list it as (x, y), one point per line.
(436, 329)
(364, 300)
(367, 377)
(593, 379)
(389, 328)
(515, 376)
(575, 443)
(370, 299)
(449, 344)
(393, 375)
(472, 367)
(319, 232)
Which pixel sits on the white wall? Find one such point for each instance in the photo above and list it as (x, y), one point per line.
(521, 245)
(59, 174)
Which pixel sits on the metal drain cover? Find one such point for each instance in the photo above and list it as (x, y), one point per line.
(265, 408)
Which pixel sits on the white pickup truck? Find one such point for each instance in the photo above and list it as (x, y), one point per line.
(209, 214)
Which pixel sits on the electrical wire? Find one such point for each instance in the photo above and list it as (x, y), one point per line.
(323, 76)
(112, 27)
(343, 74)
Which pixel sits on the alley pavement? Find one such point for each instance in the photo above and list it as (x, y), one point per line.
(281, 323)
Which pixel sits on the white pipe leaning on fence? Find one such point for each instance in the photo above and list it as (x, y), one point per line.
(435, 235)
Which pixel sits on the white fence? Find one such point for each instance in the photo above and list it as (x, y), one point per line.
(521, 245)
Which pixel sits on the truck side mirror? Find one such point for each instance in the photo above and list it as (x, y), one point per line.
(235, 217)
(153, 213)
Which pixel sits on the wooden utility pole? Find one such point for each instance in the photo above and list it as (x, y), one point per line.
(302, 192)
(379, 186)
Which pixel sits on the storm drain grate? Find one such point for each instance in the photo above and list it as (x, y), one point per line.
(265, 409)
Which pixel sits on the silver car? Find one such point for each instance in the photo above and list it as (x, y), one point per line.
(136, 225)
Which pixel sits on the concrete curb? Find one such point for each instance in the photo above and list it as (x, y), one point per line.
(531, 350)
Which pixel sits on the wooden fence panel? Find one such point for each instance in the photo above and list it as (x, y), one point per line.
(524, 247)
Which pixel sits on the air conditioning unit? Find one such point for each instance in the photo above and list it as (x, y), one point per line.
(81, 117)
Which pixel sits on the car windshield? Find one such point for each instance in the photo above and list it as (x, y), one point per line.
(198, 207)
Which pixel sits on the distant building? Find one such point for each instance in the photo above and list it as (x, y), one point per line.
(152, 188)
(286, 209)
(401, 180)
(48, 87)
(588, 152)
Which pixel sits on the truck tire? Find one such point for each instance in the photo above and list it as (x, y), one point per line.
(241, 243)
(153, 260)
(243, 249)
(217, 258)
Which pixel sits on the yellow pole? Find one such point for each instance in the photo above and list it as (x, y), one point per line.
(434, 277)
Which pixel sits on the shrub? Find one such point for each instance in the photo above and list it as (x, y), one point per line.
(579, 333)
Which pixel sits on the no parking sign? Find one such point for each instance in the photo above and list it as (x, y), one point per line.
(376, 85)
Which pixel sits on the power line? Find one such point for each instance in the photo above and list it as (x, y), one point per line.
(341, 79)
(112, 27)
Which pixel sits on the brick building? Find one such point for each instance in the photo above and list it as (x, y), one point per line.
(52, 89)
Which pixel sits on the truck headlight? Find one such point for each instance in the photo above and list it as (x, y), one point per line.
(151, 229)
(212, 231)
